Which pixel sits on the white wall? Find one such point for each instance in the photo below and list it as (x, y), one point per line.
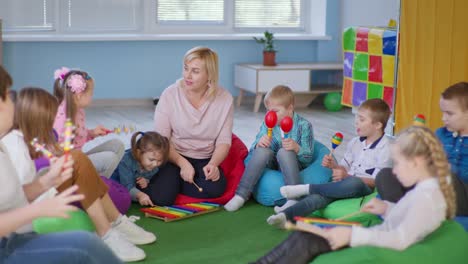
(369, 12)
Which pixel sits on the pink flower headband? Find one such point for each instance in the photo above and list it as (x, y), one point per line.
(76, 82)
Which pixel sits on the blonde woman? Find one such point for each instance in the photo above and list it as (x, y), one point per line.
(196, 114)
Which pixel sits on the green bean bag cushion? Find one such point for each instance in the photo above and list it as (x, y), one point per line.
(347, 206)
(447, 244)
(78, 220)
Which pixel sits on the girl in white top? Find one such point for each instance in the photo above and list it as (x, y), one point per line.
(419, 160)
(18, 244)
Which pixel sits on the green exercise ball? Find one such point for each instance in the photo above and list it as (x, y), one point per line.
(78, 220)
(332, 102)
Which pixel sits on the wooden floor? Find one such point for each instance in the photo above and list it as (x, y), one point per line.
(246, 123)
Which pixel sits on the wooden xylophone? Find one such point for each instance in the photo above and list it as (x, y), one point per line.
(325, 223)
(316, 225)
(181, 211)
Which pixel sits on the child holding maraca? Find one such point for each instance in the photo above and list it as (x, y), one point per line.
(289, 154)
(354, 176)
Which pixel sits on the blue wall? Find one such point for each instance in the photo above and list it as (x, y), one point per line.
(142, 69)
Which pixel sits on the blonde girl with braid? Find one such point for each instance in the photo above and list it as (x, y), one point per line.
(419, 161)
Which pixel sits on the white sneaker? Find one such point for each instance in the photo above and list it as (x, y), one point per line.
(133, 233)
(123, 249)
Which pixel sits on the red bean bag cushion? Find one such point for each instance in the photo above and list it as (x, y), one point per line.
(233, 168)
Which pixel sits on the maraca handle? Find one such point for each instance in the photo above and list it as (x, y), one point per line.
(286, 135)
(270, 132)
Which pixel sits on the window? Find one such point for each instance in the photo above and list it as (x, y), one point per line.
(102, 15)
(27, 15)
(190, 11)
(161, 19)
(269, 14)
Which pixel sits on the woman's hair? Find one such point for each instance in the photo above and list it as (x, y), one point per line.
(149, 141)
(418, 141)
(211, 63)
(5, 83)
(35, 113)
(67, 84)
(458, 92)
(282, 94)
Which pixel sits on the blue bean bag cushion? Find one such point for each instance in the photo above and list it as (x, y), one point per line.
(266, 191)
(462, 220)
(447, 244)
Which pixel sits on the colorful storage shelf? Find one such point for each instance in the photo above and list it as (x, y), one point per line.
(369, 64)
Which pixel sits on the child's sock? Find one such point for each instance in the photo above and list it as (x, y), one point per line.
(289, 203)
(235, 203)
(294, 191)
(278, 220)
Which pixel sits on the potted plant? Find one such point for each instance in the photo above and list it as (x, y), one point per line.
(269, 51)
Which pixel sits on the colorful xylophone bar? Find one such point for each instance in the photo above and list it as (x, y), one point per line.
(181, 211)
(325, 223)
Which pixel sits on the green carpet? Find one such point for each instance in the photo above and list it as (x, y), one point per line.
(218, 237)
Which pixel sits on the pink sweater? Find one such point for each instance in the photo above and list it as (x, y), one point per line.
(81, 132)
(194, 132)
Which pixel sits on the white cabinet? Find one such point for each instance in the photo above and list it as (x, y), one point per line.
(259, 79)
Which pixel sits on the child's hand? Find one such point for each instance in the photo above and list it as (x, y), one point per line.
(290, 144)
(142, 182)
(187, 172)
(211, 172)
(339, 173)
(58, 173)
(59, 205)
(264, 142)
(338, 237)
(329, 162)
(99, 131)
(375, 206)
(144, 199)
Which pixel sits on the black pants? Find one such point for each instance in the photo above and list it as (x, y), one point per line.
(390, 189)
(298, 248)
(167, 183)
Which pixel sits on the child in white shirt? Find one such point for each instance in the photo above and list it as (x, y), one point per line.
(419, 160)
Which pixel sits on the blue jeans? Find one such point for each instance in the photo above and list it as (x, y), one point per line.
(67, 247)
(321, 195)
(265, 158)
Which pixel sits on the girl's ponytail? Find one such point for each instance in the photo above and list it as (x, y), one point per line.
(135, 144)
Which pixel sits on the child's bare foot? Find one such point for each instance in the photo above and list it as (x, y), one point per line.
(289, 203)
(294, 191)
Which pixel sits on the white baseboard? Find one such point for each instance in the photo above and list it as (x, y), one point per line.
(122, 102)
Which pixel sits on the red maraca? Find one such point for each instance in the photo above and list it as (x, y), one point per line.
(419, 120)
(286, 125)
(270, 121)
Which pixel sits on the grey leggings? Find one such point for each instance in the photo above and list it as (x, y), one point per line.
(106, 156)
